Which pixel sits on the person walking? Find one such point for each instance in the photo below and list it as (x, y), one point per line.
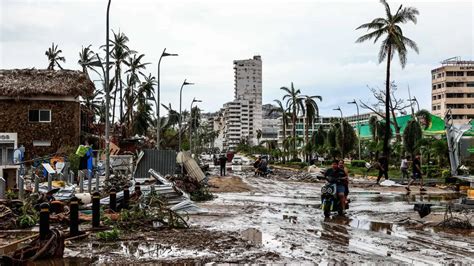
(416, 173)
(382, 170)
(222, 163)
(404, 168)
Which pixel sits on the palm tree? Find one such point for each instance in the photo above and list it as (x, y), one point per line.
(135, 69)
(284, 117)
(53, 57)
(395, 42)
(143, 116)
(87, 60)
(259, 136)
(295, 103)
(119, 53)
(312, 111)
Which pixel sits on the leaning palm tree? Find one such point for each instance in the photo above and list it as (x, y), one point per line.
(53, 57)
(295, 103)
(394, 42)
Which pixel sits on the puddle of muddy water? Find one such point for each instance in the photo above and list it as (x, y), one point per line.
(253, 235)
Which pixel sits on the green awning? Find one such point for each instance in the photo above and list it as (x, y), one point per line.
(436, 127)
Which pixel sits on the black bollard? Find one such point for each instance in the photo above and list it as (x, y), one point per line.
(74, 217)
(96, 209)
(44, 221)
(113, 200)
(126, 197)
(137, 187)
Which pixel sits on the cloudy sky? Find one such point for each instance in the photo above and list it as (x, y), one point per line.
(310, 43)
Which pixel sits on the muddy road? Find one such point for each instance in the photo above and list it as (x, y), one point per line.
(273, 220)
(284, 218)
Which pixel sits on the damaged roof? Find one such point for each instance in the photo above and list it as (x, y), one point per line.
(43, 82)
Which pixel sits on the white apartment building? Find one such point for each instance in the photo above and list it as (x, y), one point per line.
(453, 88)
(248, 90)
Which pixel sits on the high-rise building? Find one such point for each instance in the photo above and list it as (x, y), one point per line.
(248, 88)
(453, 88)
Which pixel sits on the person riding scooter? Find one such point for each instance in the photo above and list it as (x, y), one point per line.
(336, 175)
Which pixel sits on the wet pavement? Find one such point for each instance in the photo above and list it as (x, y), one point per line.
(279, 221)
(284, 217)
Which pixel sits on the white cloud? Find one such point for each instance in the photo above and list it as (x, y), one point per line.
(308, 42)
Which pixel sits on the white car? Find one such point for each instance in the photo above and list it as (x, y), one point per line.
(237, 160)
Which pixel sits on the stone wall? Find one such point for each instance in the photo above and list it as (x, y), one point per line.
(62, 131)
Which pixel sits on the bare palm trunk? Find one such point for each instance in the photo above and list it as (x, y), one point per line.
(294, 135)
(284, 138)
(386, 139)
(115, 99)
(121, 97)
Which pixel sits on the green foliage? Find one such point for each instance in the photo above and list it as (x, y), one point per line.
(202, 194)
(27, 220)
(424, 118)
(358, 163)
(431, 171)
(412, 136)
(112, 235)
(346, 138)
(446, 173)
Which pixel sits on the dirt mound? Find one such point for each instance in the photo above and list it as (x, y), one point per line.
(228, 184)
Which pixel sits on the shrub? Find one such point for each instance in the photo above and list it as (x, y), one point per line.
(358, 163)
(431, 171)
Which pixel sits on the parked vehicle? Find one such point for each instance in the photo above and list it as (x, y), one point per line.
(237, 160)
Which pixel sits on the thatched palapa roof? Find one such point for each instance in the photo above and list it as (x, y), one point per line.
(42, 82)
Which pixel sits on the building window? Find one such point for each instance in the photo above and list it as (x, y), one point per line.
(470, 73)
(470, 84)
(43, 116)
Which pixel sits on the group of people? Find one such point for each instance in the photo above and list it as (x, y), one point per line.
(380, 165)
(260, 165)
(338, 174)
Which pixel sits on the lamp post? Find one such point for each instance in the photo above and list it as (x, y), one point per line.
(338, 109)
(180, 116)
(342, 130)
(190, 124)
(358, 119)
(107, 97)
(415, 100)
(158, 118)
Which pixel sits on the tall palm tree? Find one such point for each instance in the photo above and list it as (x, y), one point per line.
(284, 117)
(53, 57)
(119, 53)
(143, 117)
(295, 103)
(394, 42)
(311, 110)
(87, 60)
(135, 70)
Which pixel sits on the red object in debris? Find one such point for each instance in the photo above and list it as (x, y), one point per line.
(230, 156)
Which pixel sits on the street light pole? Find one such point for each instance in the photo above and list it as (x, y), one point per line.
(107, 98)
(180, 116)
(358, 120)
(342, 130)
(190, 124)
(158, 83)
(411, 100)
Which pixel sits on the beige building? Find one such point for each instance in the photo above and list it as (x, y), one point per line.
(453, 88)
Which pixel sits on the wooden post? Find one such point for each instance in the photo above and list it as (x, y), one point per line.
(44, 221)
(74, 217)
(96, 209)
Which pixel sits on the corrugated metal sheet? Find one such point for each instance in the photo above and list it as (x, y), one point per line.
(162, 161)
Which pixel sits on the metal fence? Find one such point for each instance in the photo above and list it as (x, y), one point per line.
(162, 161)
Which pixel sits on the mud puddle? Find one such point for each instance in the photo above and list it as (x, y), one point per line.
(284, 217)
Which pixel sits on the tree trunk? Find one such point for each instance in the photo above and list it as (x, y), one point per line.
(294, 134)
(121, 97)
(284, 138)
(115, 98)
(398, 136)
(386, 139)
